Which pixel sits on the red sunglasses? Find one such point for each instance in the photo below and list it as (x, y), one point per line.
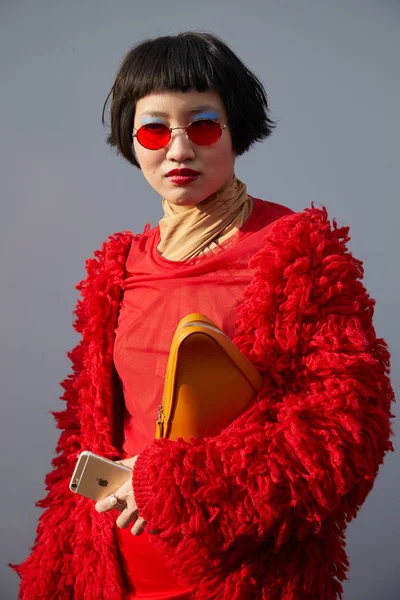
(203, 132)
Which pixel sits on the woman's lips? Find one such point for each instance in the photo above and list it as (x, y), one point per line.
(182, 179)
(182, 176)
(184, 171)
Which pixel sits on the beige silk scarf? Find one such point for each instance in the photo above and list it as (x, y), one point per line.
(188, 231)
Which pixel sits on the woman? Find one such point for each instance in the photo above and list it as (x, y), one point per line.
(259, 511)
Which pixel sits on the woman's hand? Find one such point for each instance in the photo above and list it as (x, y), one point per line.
(127, 507)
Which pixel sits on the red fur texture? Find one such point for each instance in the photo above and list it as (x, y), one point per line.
(260, 511)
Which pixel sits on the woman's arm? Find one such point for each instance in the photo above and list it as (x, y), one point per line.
(313, 443)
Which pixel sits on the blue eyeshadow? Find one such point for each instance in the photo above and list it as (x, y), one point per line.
(206, 115)
(146, 120)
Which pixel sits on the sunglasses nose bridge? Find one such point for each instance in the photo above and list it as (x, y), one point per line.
(173, 136)
(179, 147)
(183, 129)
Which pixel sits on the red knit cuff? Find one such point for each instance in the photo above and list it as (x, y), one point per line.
(142, 481)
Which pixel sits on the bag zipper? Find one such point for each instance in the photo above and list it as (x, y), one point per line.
(162, 420)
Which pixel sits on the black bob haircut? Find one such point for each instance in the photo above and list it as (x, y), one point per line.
(183, 62)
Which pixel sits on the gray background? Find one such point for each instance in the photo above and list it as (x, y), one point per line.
(331, 71)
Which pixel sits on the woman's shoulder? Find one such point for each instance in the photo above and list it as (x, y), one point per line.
(298, 235)
(273, 208)
(122, 242)
(264, 214)
(285, 236)
(282, 216)
(112, 254)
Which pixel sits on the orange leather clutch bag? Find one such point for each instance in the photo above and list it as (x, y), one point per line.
(208, 382)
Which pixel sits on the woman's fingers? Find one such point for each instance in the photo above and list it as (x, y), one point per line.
(123, 497)
(139, 526)
(126, 517)
(109, 503)
(124, 501)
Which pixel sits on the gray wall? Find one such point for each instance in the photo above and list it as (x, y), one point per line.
(331, 71)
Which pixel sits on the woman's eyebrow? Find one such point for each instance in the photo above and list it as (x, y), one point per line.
(203, 108)
(154, 113)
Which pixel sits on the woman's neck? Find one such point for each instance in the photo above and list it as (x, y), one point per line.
(188, 231)
(206, 202)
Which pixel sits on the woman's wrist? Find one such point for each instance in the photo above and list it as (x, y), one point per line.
(141, 479)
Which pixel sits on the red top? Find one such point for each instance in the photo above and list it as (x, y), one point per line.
(157, 294)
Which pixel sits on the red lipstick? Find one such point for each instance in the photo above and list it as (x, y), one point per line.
(183, 172)
(182, 176)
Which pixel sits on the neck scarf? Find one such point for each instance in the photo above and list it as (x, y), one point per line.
(188, 231)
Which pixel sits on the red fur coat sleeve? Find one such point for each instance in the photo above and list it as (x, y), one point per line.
(74, 554)
(311, 446)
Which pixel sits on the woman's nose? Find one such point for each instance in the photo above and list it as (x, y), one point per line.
(180, 148)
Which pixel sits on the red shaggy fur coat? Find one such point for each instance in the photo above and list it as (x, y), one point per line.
(260, 511)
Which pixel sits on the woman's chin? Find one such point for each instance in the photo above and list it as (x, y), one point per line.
(185, 199)
(185, 196)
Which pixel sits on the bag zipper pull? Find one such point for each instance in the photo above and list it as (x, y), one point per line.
(160, 421)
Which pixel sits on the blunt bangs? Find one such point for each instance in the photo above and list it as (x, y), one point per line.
(184, 62)
(180, 66)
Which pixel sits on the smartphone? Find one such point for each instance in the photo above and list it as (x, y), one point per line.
(96, 477)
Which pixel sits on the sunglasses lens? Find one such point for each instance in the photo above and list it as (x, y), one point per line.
(153, 136)
(204, 132)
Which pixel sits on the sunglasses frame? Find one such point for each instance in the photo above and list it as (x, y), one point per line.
(171, 129)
